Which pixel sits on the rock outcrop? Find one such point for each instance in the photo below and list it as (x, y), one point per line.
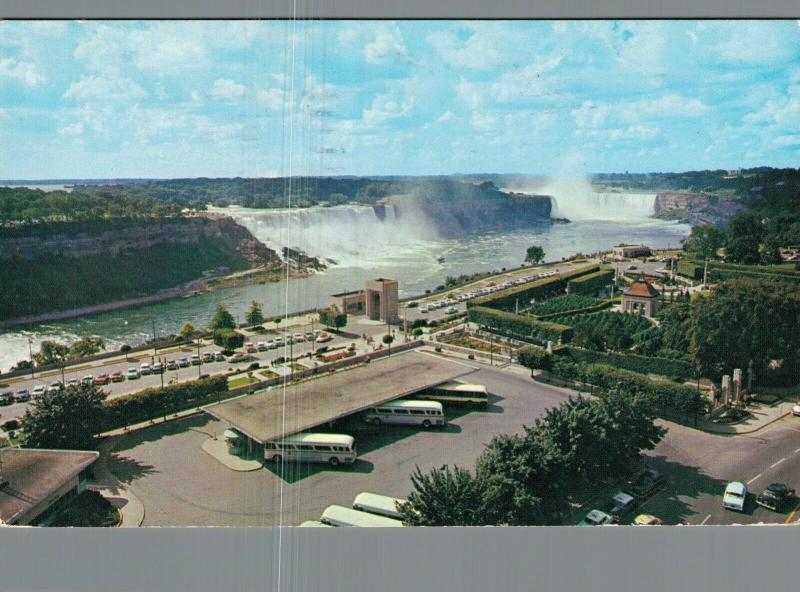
(695, 208)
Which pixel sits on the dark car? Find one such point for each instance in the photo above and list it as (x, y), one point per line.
(646, 482)
(775, 496)
(620, 506)
(6, 398)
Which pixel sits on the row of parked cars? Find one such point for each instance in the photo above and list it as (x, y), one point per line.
(623, 503)
(451, 302)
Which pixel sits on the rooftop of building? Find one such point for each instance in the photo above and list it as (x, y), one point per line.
(31, 475)
(642, 289)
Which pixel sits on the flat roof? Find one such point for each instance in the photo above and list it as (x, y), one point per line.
(272, 414)
(32, 475)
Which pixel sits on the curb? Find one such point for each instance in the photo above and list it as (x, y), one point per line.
(743, 433)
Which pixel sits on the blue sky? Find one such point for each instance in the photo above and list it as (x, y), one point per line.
(263, 98)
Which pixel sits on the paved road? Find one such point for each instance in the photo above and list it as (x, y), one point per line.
(181, 485)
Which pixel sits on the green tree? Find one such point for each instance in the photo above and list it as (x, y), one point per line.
(223, 319)
(534, 357)
(704, 241)
(84, 347)
(534, 254)
(743, 239)
(745, 320)
(67, 419)
(331, 317)
(50, 352)
(228, 338)
(187, 332)
(254, 315)
(443, 497)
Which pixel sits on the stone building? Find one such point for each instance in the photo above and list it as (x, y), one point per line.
(379, 300)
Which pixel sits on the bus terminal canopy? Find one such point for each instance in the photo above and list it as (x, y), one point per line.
(272, 414)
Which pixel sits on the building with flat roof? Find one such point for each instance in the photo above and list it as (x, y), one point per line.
(272, 414)
(383, 301)
(352, 302)
(629, 251)
(36, 484)
(641, 298)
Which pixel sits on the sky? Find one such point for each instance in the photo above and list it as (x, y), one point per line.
(167, 99)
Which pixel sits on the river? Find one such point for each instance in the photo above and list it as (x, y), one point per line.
(363, 248)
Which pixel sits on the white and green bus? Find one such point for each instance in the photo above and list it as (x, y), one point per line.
(314, 524)
(341, 516)
(334, 449)
(472, 395)
(382, 505)
(424, 413)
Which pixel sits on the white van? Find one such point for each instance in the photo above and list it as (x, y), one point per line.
(334, 449)
(341, 516)
(382, 505)
(424, 413)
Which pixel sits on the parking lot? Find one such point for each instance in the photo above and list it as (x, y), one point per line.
(181, 485)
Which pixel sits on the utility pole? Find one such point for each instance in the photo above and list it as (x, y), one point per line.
(30, 353)
(198, 355)
(155, 350)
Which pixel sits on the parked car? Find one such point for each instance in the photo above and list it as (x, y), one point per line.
(72, 382)
(278, 341)
(423, 309)
(262, 346)
(309, 336)
(102, 379)
(250, 348)
(196, 361)
(324, 337)
(735, 496)
(88, 379)
(12, 424)
(271, 344)
(451, 310)
(208, 357)
(775, 496)
(645, 483)
(144, 369)
(172, 365)
(55, 386)
(22, 395)
(117, 376)
(6, 398)
(796, 409)
(596, 518)
(647, 520)
(132, 374)
(620, 506)
(38, 390)
(299, 338)
(237, 358)
(219, 356)
(184, 363)
(157, 368)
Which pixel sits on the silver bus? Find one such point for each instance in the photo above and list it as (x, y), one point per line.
(341, 516)
(424, 413)
(334, 449)
(457, 392)
(382, 505)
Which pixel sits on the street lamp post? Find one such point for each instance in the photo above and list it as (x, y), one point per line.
(155, 346)
(198, 355)
(30, 353)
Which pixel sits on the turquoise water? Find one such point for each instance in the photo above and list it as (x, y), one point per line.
(399, 252)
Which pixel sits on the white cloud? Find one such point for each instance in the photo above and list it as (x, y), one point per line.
(274, 98)
(590, 114)
(225, 89)
(386, 107)
(477, 51)
(484, 122)
(446, 116)
(73, 129)
(528, 82)
(387, 44)
(670, 105)
(469, 93)
(790, 140)
(104, 88)
(23, 71)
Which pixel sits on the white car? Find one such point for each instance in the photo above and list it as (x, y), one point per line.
(451, 310)
(262, 346)
(132, 374)
(38, 390)
(144, 369)
(796, 409)
(324, 337)
(423, 309)
(735, 496)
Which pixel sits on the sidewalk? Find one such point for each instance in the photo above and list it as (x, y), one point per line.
(760, 418)
(130, 507)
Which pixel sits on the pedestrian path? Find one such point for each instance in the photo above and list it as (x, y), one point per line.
(218, 448)
(121, 497)
(760, 418)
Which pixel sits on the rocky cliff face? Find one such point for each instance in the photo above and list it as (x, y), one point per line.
(179, 231)
(454, 218)
(695, 208)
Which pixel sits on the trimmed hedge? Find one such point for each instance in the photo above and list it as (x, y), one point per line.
(228, 338)
(718, 274)
(668, 399)
(689, 268)
(587, 310)
(592, 283)
(719, 271)
(507, 299)
(519, 326)
(643, 364)
(534, 357)
(156, 402)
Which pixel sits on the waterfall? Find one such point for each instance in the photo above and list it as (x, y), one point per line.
(575, 199)
(351, 235)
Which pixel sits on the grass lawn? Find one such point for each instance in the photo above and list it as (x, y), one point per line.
(267, 374)
(241, 381)
(88, 509)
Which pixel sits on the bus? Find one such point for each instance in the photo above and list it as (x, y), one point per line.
(424, 413)
(314, 524)
(382, 505)
(341, 516)
(457, 392)
(334, 449)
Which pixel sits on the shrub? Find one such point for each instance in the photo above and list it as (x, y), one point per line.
(591, 283)
(562, 304)
(633, 362)
(519, 326)
(228, 338)
(534, 357)
(154, 402)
